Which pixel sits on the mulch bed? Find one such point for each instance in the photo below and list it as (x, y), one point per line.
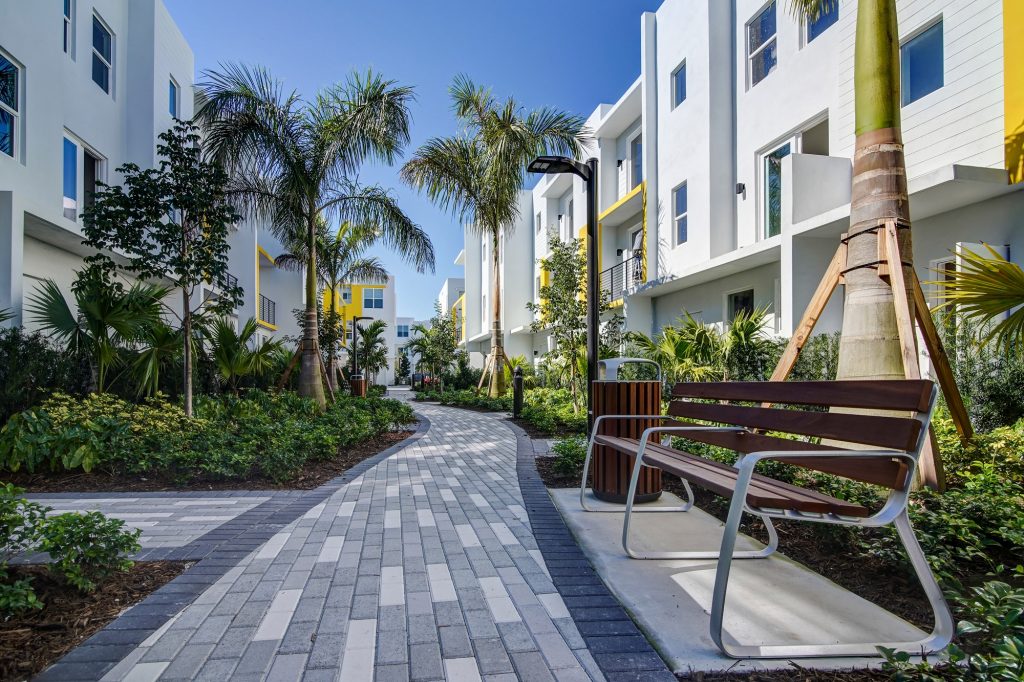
(313, 474)
(30, 642)
(796, 674)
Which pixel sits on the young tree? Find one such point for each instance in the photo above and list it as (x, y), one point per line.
(295, 163)
(372, 350)
(479, 175)
(171, 223)
(436, 344)
(562, 310)
(402, 368)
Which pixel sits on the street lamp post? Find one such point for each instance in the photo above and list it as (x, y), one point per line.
(556, 165)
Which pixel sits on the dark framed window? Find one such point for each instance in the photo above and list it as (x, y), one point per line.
(679, 85)
(680, 213)
(828, 15)
(9, 100)
(70, 180)
(922, 65)
(172, 98)
(762, 46)
(102, 54)
(741, 301)
(773, 190)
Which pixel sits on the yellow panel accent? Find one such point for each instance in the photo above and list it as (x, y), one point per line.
(263, 252)
(1013, 97)
(642, 187)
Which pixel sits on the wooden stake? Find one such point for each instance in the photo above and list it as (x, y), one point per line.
(291, 366)
(904, 320)
(940, 361)
(483, 375)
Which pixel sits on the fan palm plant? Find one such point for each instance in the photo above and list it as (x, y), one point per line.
(688, 351)
(237, 354)
(341, 260)
(478, 174)
(870, 346)
(985, 288)
(108, 321)
(161, 348)
(294, 163)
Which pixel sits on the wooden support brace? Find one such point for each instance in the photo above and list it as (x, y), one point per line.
(290, 368)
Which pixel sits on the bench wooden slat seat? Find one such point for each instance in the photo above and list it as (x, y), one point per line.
(764, 492)
(873, 432)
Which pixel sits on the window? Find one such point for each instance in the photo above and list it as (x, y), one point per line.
(679, 85)
(921, 64)
(348, 331)
(762, 50)
(636, 157)
(569, 219)
(90, 175)
(403, 331)
(69, 30)
(346, 295)
(9, 94)
(741, 301)
(537, 285)
(536, 222)
(70, 179)
(828, 15)
(172, 98)
(773, 190)
(373, 298)
(680, 213)
(102, 54)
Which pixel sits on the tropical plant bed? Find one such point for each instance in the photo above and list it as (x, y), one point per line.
(32, 640)
(313, 474)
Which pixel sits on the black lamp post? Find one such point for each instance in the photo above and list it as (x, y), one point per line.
(556, 165)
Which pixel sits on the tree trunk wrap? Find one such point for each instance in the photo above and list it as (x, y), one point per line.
(611, 470)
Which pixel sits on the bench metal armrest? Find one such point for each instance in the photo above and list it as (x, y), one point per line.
(894, 505)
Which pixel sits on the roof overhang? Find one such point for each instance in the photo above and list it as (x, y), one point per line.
(623, 209)
(742, 259)
(623, 113)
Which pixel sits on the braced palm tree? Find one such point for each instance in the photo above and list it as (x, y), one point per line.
(293, 163)
(478, 174)
(870, 346)
(341, 260)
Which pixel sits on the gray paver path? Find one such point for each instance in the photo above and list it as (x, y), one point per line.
(423, 568)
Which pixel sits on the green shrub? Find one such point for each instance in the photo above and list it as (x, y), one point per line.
(570, 453)
(32, 368)
(86, 548)
(19, 522)
(16, 596)
(1002, 448)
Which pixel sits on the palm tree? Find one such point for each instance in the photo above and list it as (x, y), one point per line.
(688, 351)
(478, 175)
(294, 163)
(109, 320)
(341, 260)
(373, 349)
(237, 354)
(870, 346)
(984, 288)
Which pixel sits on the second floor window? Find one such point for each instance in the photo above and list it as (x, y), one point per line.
(70, 179)
(828, 15)
(102, 54)
(921, 64)
(403, 331)
(373, 298)
(636, 158)
(172, 98)
(9, 75)
(773, 190)
(680, 211)
(346, 295)
(762, 47)
(69, 31)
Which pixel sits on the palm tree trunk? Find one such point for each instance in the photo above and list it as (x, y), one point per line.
(870, 345)
(310, 382)
(497, 385)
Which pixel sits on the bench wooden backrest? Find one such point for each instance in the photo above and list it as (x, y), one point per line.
(898, 431)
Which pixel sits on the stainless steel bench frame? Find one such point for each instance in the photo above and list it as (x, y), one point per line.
(894, 512)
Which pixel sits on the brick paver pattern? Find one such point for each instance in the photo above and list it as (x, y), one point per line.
(423, 568)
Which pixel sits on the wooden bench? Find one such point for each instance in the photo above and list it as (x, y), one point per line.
(881, 448)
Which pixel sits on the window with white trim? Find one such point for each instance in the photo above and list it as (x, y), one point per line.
(10, 93)
(102, 54)
(69, 27)
(680, 212)
(636, 158)
(172, 98)
(373, 298)
(772, 182)
(403, 331)
(70, 204)
(762, 46)
(921, 64)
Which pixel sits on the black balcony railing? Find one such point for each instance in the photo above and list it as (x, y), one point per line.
(230, 280)
(268, 310)
(618, 279)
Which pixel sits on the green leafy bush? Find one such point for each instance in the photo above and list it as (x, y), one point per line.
(31, 368)
(86, 548)
(17, 596)
(259, 434)
(570, 453)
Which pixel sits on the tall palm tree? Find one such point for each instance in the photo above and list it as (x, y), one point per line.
(341, 260)
(294, 163)
(870, 346)
(479, 174)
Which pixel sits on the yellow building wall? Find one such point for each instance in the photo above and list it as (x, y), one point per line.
(1013, 73)
(348, 311)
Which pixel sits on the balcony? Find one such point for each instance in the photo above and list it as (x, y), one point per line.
(268, 312)
(618, 279)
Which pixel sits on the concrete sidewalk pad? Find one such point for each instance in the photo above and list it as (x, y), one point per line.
(770, 601)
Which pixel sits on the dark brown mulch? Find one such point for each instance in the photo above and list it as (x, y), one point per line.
(313, 474)
(31, 641)
(552, 478)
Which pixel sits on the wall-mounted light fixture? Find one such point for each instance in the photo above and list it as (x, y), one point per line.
(741, 189)
(618, 164)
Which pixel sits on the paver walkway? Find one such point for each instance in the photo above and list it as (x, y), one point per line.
(422, 568)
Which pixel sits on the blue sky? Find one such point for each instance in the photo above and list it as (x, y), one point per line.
(309, 44)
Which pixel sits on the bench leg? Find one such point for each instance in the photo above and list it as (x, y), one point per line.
(936, 641)
(768, 550)
(616, 509)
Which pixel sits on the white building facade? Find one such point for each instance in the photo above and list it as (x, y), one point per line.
(725, 168)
